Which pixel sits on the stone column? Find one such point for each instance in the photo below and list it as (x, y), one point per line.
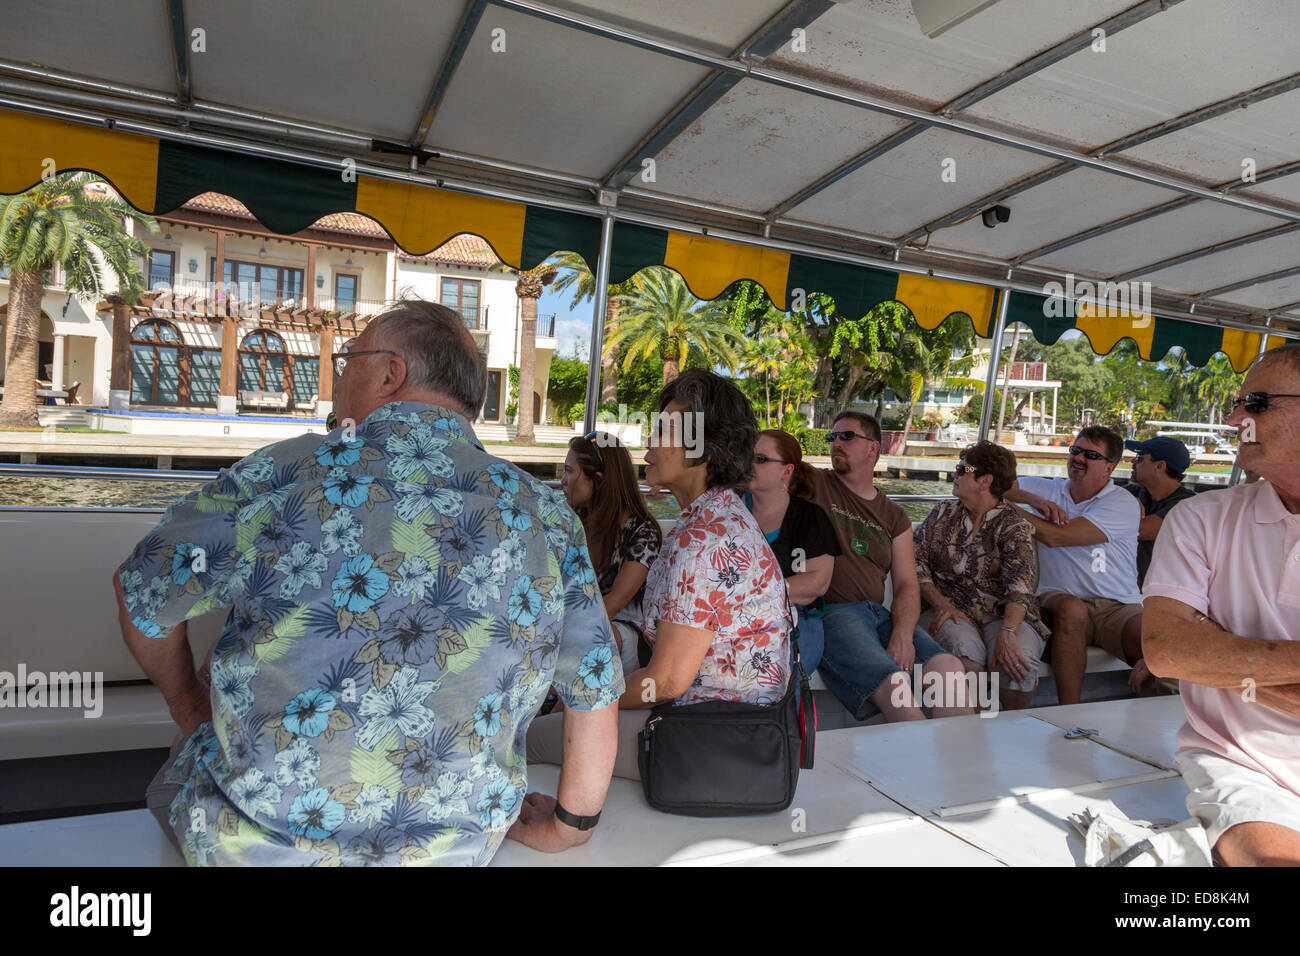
(325, 385)
(119, 394)
(56, 370)
(227, 400)
(309, 279)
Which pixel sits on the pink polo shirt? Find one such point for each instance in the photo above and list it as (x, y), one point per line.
(1234, 555)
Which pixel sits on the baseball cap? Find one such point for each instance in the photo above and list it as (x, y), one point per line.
(1169, 450)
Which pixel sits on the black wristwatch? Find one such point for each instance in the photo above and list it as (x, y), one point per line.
(573, 820)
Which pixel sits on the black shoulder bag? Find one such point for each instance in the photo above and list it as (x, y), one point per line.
(720, 758)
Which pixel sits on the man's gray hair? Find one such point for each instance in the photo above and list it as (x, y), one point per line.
(439, 351)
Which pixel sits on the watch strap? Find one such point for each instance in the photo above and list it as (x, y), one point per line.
(573, 820)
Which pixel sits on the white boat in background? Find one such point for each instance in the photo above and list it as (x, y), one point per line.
(1200, 439)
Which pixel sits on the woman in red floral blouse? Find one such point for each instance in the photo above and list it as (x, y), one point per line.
(715, 608)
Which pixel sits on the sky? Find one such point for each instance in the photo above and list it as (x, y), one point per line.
(572, 326)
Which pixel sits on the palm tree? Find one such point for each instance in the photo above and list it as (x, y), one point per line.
(1006, 381)
(928, 357)
(58, 222)
(1216, 383)
(576, 274)
(529, 286)
(662, 318)
(762, 356)
(1178, 371)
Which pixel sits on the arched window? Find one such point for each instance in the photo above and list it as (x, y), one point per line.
(156, 363)
(262, 362)
(166, 371)
(266, 365)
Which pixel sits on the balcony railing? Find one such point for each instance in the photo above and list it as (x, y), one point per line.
(343, 306)
(1029, 371)
(195, 297)
(476, 320)
(546, 326)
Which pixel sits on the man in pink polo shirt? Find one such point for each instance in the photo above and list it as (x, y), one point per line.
(1221, 612)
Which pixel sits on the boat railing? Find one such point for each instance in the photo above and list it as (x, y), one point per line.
(160, 474)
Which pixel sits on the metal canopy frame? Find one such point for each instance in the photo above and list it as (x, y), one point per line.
(318, 144)
(1035, 64)
(1267, 91)
(468, 24)
(180, 49)
(938, 264)
(766, 40)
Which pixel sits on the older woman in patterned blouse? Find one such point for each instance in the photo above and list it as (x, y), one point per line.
(715, 610)
(977, 567)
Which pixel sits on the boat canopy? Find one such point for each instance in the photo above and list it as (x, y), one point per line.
(812, 146)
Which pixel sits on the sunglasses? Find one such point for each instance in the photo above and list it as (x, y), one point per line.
(845, 436)
(964, 470)
(1089, 454)
(1257, 402)
(763, 460)
(340, 359)
(601, 439)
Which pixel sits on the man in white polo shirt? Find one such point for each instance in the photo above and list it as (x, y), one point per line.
(1088, 558)
(1222, 614)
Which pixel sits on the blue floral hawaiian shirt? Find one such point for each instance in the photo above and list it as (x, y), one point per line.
(400, 603)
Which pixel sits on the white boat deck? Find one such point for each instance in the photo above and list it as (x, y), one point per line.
(966, 791)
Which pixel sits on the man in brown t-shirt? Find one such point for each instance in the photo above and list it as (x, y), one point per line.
(870, 649)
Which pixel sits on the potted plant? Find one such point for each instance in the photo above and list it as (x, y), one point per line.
(512, 406)
(933, 418)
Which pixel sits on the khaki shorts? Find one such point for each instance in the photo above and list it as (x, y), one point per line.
(964, 640)
(1106, 621)
(1222, 793)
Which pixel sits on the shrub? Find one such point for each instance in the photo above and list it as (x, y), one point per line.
(812, 441)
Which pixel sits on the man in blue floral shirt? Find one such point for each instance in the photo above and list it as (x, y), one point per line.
(400, 603)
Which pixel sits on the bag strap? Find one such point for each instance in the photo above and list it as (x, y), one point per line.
(807, 705)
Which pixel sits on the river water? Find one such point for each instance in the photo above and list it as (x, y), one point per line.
(134, 493)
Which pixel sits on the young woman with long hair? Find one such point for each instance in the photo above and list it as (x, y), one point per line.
(798, 531)
(623, 538)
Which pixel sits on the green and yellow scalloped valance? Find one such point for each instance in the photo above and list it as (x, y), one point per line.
(158, 175)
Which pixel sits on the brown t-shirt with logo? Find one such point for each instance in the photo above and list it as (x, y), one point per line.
(866, 530)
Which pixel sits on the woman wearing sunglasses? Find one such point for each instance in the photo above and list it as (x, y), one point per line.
(622, 538)
(798, 531)
(977, 567)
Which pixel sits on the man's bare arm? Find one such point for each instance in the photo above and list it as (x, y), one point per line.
(1078, 532)
(590, 746)
(167, 662)
(1284, 698)
(906, 606)
(1176, 644)
(1149, 527)
(1050, 510)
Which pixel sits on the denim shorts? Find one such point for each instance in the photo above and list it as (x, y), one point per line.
(811, 641)
(855, 661)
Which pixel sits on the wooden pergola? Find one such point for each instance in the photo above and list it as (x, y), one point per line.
(229, 312)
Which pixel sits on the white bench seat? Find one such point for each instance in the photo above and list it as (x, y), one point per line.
(133, 718)
(963, 791)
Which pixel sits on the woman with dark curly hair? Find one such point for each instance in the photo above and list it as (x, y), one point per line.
(715, 612)
(799, 532)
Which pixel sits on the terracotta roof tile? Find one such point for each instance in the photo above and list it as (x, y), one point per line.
(337, 222)
(464, 249)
